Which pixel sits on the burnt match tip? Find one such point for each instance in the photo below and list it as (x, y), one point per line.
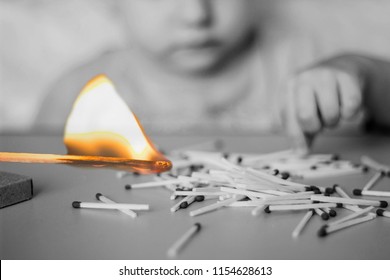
(332, 213)
(357, 192)
(266, 210)
(383, 204)
(198, 226)
(128, 187)
(98, 195)
(199, 198)
(322, 232)
(184, 205)
(325, 216)
(76, 204)
(379, 212)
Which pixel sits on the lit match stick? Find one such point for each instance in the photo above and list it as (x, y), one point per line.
(133, 165)
(113, 206)
(175, 248)
(104, 199)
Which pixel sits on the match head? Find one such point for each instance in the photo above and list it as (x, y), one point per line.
(339, 205)
(239, 160)
(184, 205)
(313, 167)
(199, 198)
(380, 212)
(276, 172)
(329, 191)
(127, 187)
(136, 174)
(335, 157)
(198, 226)
(365, 168)
(317, 191)
(322, 232)
(76, 204)
(308, 188)
(383, 204)
(266, 210)
(325, 216)
(332, 213)
(285, 175)
(357, 192)
(225, 155)
(98, 195)
(314, 188)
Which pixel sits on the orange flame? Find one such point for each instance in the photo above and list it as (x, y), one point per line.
(101, 124)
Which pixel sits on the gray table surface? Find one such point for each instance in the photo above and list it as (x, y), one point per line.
(47, 227)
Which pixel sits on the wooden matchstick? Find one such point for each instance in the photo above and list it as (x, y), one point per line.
(134, 165)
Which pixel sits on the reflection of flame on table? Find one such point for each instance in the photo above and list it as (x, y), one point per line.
(101, 131)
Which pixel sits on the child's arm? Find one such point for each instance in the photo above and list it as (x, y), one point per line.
(336, 89)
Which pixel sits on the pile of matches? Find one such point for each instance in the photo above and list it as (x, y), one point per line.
(268, 183)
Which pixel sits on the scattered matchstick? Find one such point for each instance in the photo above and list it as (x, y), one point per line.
(298, 207)
(113, 206)
(183, 203)
(375, 179)
(321, 213)
(367, 161)
(383, 213)
(214, 206)
(179, 244)
(359, 192)
(160, 183)
(352, 216)
(381, 204)
(297, 231)
(325, 230)
(105, 199)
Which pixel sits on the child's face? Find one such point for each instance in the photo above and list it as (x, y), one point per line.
(189, 35)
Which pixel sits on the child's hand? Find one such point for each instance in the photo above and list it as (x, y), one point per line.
(321, 96)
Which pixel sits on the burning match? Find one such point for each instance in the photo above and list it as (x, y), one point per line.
(102, 132)
(131, 165)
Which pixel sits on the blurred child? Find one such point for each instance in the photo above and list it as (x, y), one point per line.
(205, 64)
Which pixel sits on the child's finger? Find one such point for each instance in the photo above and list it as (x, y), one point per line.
(307, 110)
(328, 99)
(350, 94)
(293, 128)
